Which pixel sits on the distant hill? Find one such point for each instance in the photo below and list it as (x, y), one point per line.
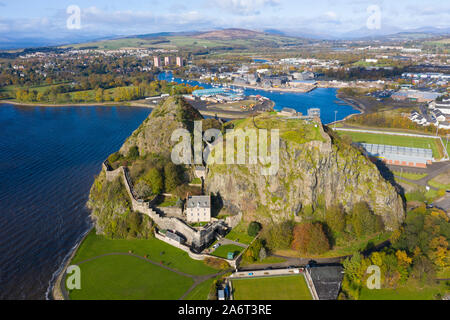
(229, 34)
(226, 39)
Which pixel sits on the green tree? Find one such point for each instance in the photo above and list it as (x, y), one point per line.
(253, 229)
(155, 180)
(335, 218)
(171, 176)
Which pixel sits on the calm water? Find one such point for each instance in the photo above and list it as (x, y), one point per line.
(322, 98)
(48, 160)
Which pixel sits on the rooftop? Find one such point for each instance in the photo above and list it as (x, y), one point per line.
(199, 202)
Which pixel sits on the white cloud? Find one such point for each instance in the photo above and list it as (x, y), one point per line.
(245, 7)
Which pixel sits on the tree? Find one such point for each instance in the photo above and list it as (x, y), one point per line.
(171, 176)
(364, 222)
(99, 95)
(155, 180)
(133, 153)
(262, 254)
(253, 229)
(335, 218)
(310, 238)
(279, 235)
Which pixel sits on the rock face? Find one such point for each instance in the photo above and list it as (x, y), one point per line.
(313, 171)
(153, 135)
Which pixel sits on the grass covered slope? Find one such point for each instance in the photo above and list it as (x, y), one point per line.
(271, 288)
(137, 269)
(128, 278)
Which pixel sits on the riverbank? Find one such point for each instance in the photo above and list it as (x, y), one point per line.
(57, 293)
(137, 103)
(287, 90)
(354, 104)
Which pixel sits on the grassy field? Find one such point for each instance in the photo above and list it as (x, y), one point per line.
(410, 176)
(222, 251)
(442, 181)
(128, 278)
(407, 292)
(272, 288)
(201, 292)
(393, 140)
(239, 234)
(156, 250)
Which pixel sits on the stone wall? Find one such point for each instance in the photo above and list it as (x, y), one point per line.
(192, 255)
(233, 221)
(195, 238)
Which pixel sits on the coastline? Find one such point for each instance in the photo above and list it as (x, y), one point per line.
(54, 291)
(135, 103)
(287, 90)
(354, 104)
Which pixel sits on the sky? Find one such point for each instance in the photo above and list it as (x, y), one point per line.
(45, 18)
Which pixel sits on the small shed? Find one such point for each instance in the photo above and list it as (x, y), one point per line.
(230, 256)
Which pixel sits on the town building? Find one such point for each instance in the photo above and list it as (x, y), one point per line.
(180, 62)
(198, 209)
(168, 60)
(157, 62)
(415, 95)
(288, 112)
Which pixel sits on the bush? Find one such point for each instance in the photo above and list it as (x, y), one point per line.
(279, 236)
(253, 229)
(133, 153)
(154, 178)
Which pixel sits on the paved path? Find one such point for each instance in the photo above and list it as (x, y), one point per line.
(225, 241)
(391, 133)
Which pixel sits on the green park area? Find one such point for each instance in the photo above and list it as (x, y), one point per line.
(271, 288)
(406, 292)
(223, 251)
(394, 140)
(137, 269)
(240, 234)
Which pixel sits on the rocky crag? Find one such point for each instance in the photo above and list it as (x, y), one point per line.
(317, 169)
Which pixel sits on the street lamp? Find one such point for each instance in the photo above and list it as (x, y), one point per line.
(335, 118)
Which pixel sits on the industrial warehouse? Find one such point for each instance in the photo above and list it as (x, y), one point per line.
(400, 156)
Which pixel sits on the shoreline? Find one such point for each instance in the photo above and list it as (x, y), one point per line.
(135, 103)
(54, 291)
(354, 104)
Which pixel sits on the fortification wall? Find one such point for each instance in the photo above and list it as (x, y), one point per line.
(197, 238)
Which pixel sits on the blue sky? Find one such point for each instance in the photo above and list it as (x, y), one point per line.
(126, 17)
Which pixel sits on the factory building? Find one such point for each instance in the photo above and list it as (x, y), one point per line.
(399, 156)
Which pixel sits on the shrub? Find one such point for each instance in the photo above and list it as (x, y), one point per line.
(253, 229)
(133, 153)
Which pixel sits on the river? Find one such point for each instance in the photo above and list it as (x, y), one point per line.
(48, 160)
(323, 98)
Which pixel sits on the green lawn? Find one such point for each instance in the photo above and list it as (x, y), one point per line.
(239, 234)
(410, 176)
(222, 251)
(401, 293)
(402, 141)
(128, 278)
(201, 291)
(156, 250)
(271, 288)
